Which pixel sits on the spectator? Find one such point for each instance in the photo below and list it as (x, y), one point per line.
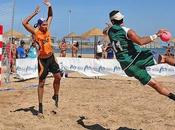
(99, 50)
(11, 53)
(75, 47)
(63, 48)
(21, 53)
(168, 51)
(109, 50)
(32, 51)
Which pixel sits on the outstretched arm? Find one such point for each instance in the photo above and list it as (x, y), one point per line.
(143, 40)
(137, 39)
(26, 24)
(50, 12)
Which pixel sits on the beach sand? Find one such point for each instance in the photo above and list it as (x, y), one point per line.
(110, 102)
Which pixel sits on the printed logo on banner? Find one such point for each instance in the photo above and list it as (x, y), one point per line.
(89, 67)
(27, 68)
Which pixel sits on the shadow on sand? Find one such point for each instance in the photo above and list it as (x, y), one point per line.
(97, 126)
(28, 109)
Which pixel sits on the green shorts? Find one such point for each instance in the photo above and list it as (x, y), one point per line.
(138, 68)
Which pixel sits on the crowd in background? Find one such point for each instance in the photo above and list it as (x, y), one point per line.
(13, 51)
(102, 50)
(63, 48)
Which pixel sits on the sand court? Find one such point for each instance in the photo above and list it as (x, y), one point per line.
(111, 102)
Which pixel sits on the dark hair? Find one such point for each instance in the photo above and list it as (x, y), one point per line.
(77, 45)
(118, 22)
(22, 42)
(112, 13)
(63, 40)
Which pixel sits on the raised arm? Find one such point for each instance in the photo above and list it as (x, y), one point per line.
(50, 12)
(26, 24)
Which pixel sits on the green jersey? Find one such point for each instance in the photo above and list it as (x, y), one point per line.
(132, 58)
(125, 50)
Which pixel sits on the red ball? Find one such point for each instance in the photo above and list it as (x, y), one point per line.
(165, 36)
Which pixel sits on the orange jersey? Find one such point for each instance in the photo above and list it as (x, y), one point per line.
(45, 44)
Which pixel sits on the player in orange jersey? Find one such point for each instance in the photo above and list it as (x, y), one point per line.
(46, 59)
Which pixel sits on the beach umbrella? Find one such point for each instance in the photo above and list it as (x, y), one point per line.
(14, 34)
(72, 36)
(94, 32)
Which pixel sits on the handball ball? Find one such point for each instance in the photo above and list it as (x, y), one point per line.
(165, 36)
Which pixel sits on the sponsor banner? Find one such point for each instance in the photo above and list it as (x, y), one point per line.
(161, 70)
(90, 67)
(94, 67)
(28, 68)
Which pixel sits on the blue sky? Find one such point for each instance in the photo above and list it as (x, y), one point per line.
(144, 16)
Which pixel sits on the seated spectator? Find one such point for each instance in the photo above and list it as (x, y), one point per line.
(21, 50)
(168, 51)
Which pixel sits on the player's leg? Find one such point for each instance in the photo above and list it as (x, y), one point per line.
(56, 87)
(43, 71)
(54, 68)
(160, 89)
